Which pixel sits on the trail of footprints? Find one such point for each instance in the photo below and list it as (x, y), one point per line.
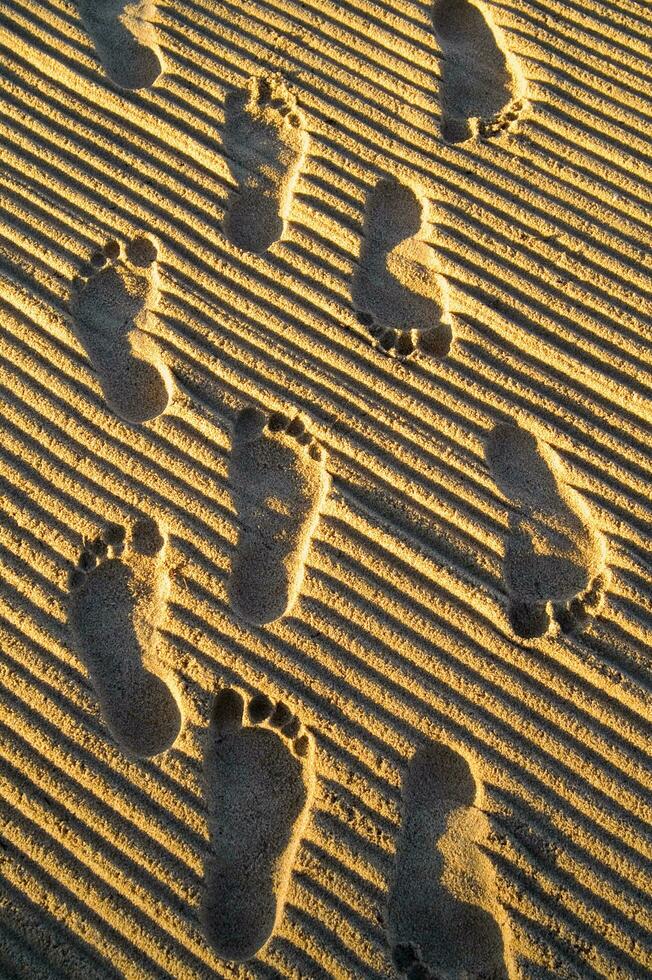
(260, 771)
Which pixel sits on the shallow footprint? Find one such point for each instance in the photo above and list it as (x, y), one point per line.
(260, 783)
(125, 40)
(482, 87)
(265, 142)
(554, 563)
(118, 599)
(279, 483)
(397, 292)
(111, 305)
(443, 911)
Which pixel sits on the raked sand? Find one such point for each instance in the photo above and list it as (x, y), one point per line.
(325, 533)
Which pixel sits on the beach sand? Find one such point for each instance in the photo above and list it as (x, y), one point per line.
(325, 431)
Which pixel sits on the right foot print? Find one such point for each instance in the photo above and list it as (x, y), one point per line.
(118, 599)
(265, 143)
(443, 911)
(111, 305)
(555, 558)
(125, 40)
(279, 482)
(259, 784)
(482, 88)
(397, 292)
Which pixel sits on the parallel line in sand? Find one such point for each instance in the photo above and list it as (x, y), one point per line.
(387, 128)
(295, 669)
(86, 922)
(72, 723)
(64, 39)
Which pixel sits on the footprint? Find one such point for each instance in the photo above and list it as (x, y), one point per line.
(279, 483)
(265, 143)
(482, 86)
(555, 558)
(396, 290)
(112, 301)
(125, 40)
(260, 783)
(118, 599)
(443, 911)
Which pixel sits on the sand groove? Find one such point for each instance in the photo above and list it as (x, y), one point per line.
(397, 632)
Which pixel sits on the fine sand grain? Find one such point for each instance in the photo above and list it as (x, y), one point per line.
(325, 533)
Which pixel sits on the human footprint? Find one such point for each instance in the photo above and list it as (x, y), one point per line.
(265, 142)
(555, 558)
(279, 483)
(260, 783)
(482, 87)
(397, 291)
(112, 303)
(118, 600)
(445, 922)
(125, 40)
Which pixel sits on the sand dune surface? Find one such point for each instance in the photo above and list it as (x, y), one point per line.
(325, 455)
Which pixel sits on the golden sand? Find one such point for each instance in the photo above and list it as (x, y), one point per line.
(325, 606)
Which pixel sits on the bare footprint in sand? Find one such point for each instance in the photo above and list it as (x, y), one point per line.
(397, 291)
(112, 301)
(555, 558)
(259, 783)
(482, 87)
(265, 143)
(443, 912)
(125, 40)
(279, 484)
(118, 598)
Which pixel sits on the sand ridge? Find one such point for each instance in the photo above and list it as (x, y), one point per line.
(477, 575)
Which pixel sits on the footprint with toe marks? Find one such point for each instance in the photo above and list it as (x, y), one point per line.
(397, 291)
(444, 919)
(125, 40)
(118, 600)
(279, 483)
(112, 302)
(482, 88)
(265, 142)
(555, 559)
(260, 782)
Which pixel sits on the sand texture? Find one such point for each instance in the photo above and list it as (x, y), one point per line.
(326, 471)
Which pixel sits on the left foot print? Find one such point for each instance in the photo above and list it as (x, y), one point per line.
(112, 303)
(125, 40)
(265, 142)
(259, 784)
(397, 292)
(279, 483)
(482, 88)
(554, 564)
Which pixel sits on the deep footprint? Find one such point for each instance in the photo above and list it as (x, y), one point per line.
(118, 600)
(397, 291)
(112, 302)
(265, 142)
(125, 40)
(279, 483)
(259, 783)
(443, 911)
(554, 565)
(482, 87)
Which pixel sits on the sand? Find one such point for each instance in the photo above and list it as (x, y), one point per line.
(325, 606)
